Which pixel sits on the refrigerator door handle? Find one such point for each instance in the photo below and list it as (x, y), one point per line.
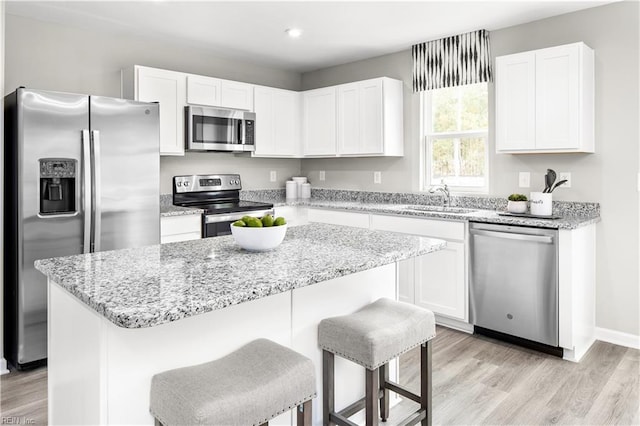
(95, 190)
(87, 213)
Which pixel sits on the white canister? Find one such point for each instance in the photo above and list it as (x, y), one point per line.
(299, 180)
(306, 191)
(540, 203)
(291, 190)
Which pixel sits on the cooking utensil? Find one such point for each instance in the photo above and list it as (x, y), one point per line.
(546, 184)
(563, 181)
(550, 179)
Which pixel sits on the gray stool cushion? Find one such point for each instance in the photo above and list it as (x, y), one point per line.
(377, 333)
(247, 387)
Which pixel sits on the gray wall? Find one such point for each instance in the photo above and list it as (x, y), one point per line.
(54, 57)
(609, 176)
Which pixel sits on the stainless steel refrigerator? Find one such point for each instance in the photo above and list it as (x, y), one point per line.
(81, 175)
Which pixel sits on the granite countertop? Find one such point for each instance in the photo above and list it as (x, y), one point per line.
(148, 286)
(573, 215)
(171, 210)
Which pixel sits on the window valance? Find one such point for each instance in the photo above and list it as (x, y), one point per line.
(452, 61)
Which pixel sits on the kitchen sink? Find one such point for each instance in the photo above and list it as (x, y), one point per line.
(440, 209)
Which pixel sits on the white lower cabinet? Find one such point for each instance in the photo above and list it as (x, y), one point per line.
(294, 215)
(436, 281)
(337, 217)
(180, 228)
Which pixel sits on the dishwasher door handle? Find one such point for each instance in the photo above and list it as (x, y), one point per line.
(509, 236)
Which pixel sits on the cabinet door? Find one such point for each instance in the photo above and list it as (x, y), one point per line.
(265, 121)
(371, 117)
(335, 217)
(320, 121)
(557, 92)
(439, 281)
(349, 119)
(277, 122)
(180, 228)
(168, 88)
(286, 122)
(234, 94)
(203, 90)
(515, 102)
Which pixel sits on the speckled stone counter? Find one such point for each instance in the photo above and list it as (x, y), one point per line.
(168, 209)
(145, 287)
(573, 214)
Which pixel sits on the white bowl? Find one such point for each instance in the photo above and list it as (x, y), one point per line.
(259, 239)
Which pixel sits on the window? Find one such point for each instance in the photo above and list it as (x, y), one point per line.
(455, 150)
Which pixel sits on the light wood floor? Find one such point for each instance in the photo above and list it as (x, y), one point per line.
(476, 380)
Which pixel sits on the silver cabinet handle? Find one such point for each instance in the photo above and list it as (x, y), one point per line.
(509, 236)
(95, 189)
(87, 212)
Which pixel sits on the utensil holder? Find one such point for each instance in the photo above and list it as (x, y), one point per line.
(541, 204)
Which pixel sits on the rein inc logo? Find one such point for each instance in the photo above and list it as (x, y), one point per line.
(15, 420)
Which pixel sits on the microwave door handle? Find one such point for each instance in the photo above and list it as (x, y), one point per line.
(240, 126)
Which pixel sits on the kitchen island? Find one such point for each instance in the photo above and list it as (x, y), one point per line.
(117, 318)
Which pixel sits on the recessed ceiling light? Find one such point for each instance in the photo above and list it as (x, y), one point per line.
(293, 32)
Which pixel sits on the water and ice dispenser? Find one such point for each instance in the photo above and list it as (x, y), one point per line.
(58, 186)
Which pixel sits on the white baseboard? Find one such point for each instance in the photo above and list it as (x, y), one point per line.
(618, 338)
(3, 366)
(455, 324)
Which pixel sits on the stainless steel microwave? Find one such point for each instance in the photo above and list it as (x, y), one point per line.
(215, 129)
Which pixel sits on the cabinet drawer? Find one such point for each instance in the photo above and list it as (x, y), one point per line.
(175, 225)
(357, 220)
(449, 230)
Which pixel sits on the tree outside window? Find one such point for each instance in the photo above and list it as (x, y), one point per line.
(456, 133)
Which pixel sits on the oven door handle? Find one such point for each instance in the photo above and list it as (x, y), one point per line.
(217, 218)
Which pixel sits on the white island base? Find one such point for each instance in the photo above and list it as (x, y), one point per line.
(100, 373)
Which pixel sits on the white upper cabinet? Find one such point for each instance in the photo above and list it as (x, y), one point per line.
(168, 88)
(370, 118)
(545, 100)
(319, 122)
(278, 116)
(217, 92)
(236, 95)
(203, 90)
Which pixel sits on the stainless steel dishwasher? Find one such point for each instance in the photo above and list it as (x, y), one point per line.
(514, 284)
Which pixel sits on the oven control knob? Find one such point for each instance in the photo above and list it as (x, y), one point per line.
(178, 183)
(186, 183)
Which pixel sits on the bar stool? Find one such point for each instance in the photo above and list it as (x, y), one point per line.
(250, 386)
(371, 337)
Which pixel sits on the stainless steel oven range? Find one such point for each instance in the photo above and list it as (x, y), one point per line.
(219, 197)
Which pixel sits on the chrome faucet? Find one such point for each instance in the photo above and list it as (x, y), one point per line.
(446, 195)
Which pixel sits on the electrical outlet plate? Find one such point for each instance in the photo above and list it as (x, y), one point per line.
(273, 176)
(322, 175)
(567, 176)
(524, 180)
(377, 177)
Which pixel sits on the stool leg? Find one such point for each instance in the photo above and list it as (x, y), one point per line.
(372, 388)
(426, 382)
(156, 422)
(384, 401)
(328, 397)
(304, 414)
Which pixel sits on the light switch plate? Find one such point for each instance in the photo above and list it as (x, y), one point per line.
(273, 176)
(567, 176)
(322, 176)
(524, 179)
(377, 177)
